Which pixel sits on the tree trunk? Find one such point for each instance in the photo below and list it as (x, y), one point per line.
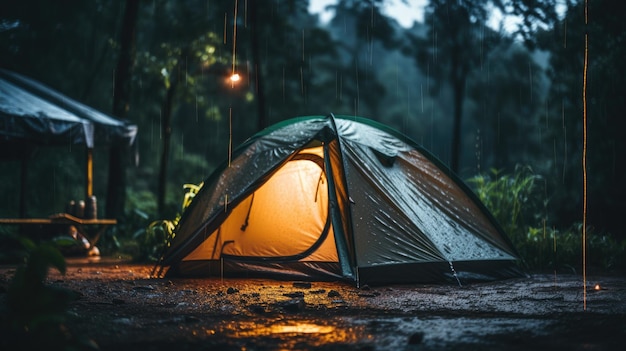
(166, 132)
(116, 191)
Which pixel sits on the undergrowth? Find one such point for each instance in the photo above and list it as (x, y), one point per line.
(519, 202)
(36, 312)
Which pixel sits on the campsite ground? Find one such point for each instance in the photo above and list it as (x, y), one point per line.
(121, 308)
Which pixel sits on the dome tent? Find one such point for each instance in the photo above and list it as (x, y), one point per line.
(334, 198)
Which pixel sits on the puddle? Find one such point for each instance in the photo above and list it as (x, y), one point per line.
(300, 334)
(377, 333)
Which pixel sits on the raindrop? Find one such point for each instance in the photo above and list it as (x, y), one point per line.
(356, 71)
(530, 79)
(245, 14)
(235, 37)
(422, 95)
(478, 146)
(301, 81)
(564, 141)
(454, 274)
(230, 134)
(225, 25)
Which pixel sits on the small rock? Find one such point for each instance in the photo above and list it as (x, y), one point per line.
(123, 321)
(258, 309)
(334, 293)
(416, 338)
(296, 294)
(294, 305)
(368, 294)
(231, 290)
(145, 287)
(191, 319)
(302, 285)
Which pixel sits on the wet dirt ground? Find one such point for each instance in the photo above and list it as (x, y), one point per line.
(121, 308)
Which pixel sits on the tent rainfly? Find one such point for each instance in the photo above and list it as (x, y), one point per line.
(338, 198)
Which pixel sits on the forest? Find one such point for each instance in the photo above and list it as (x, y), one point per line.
(494, 99)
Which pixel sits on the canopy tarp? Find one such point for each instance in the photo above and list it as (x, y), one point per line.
(31, 112)
(33, 115)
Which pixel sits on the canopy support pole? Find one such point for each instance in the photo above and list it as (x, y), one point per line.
(89, 173)
(23, 185)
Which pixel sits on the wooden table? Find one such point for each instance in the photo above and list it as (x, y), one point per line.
(96, 226)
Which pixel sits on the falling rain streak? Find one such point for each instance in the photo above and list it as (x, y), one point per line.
(584, 158)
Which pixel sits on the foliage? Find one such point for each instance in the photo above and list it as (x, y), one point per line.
(512, 199)
(37, 312)
(155, 238)
(518, 105)
(606, 87)
(519, 205)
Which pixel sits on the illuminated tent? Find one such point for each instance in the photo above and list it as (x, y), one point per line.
(334, 198)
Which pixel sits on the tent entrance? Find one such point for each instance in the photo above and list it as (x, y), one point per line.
(285, 220)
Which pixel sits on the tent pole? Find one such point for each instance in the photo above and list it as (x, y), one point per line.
(23, 181)
(89, 173)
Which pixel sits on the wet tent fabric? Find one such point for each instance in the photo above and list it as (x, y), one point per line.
(32, 113)
(26, 118)
(328, 197)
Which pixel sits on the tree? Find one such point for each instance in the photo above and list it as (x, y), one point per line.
(456, 45)
(606, 87)
(116, 190)
(452, 49)
(182, 60)
(65, 48)
(359, 26)
(505, 100)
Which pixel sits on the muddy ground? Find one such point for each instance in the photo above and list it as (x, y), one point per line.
(121, 308)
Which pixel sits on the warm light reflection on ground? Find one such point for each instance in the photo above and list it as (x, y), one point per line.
(292, 332)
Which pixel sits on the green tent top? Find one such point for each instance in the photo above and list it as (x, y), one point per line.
(339, 198)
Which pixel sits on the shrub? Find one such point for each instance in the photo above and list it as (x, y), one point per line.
(154, 239)
(519, 204)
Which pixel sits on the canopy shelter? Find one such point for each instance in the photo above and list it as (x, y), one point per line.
(34, 115)
(327, 197)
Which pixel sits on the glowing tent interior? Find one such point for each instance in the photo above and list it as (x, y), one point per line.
(338, 198)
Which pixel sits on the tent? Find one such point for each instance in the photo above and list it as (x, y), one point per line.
(34, 115)
(338, 198)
